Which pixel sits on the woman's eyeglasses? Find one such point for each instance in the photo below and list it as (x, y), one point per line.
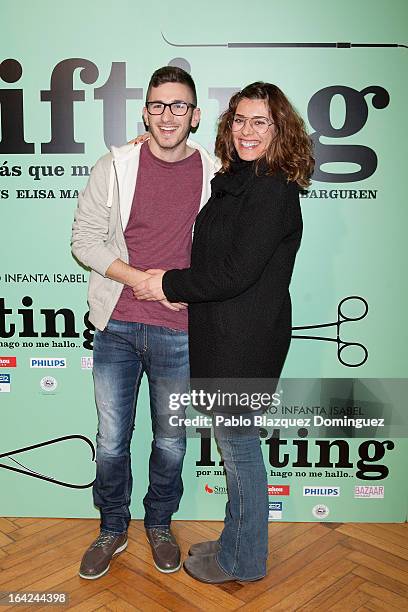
(259, 124)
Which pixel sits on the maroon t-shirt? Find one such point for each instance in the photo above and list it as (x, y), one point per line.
(158, 235)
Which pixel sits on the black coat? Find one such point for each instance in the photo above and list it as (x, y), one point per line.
(244, 247)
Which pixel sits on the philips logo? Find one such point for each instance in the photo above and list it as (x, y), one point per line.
(46, 362)
(321, 491)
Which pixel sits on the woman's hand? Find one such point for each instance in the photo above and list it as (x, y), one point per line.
(176, 306)
(151, 288)
(139, 139)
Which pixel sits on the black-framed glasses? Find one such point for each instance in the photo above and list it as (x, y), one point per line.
(259, 124)
(178, 108)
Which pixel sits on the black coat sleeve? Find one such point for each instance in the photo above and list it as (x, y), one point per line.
(261, 226)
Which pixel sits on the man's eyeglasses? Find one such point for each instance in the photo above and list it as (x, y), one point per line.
(259, 124)
(177, 108)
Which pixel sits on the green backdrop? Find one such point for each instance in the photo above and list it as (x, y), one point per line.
(72, 81)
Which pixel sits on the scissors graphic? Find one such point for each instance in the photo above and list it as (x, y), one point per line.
(28, 472)
(341, 344)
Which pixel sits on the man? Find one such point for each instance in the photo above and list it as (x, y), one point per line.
(136, 214)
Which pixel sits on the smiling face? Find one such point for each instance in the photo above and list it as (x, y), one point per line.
(168, 132)
(248, 143)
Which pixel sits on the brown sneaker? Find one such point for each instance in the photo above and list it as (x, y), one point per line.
(165, 550)
(96, 560)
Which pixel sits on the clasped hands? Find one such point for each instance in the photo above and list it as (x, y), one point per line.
(150, 289)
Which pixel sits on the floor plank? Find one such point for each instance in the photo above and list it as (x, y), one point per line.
(379, 566)
(358, 532)
(382, 594)
(379, 578)
(332, 594)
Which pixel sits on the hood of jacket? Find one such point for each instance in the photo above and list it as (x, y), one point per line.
(125, 166)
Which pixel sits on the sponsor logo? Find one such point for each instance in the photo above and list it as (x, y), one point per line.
(215, 490)
(8, 362)
(366, 491)
(321, 491)
(275, 511)
(86, 363)
(321, 511)
(48, 384)
(48, 362)
(278, 489)
(5, 385)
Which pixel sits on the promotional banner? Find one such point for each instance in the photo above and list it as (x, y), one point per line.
(73, 81)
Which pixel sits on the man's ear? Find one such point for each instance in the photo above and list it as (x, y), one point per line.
(145, 116)
(195, 118)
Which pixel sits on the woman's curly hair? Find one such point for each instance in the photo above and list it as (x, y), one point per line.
(290, 151)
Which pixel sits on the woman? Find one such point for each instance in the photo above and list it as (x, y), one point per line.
(237, 287)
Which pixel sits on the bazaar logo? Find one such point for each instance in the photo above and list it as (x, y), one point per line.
(373, 492)
(86, 363)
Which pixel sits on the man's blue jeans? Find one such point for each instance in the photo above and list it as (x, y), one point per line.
(244, 539)
(122, 353)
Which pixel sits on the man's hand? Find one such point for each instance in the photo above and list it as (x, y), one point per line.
(139, 139)
(161, 297)
(151, 288)
(124, 273)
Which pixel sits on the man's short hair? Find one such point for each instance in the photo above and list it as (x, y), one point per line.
(172, 74)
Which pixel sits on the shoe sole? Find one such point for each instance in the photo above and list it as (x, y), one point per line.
(169, 571)
(160, 569)
(232, 579)
(105, 571)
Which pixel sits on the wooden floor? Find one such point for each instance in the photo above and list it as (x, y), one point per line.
(312, 566)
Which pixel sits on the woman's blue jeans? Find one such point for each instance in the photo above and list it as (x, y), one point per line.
(122, 353)
(244, 539)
